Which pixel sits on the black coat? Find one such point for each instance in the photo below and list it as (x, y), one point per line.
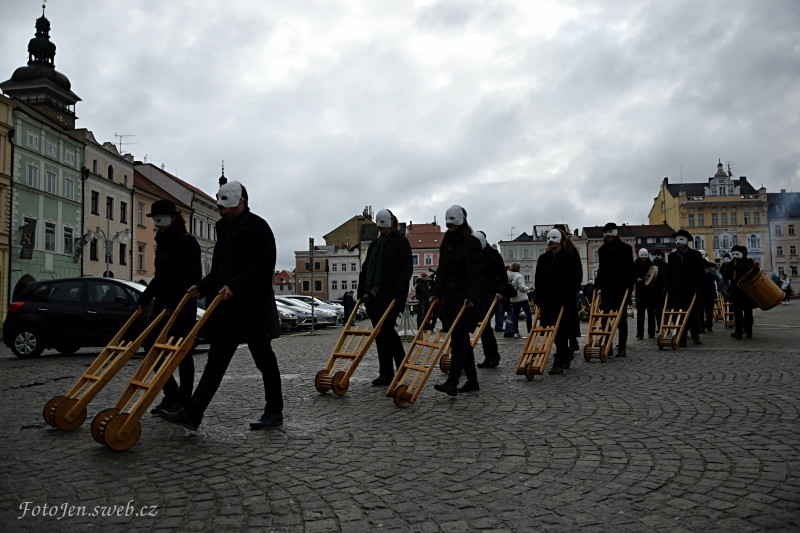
(557, 281)
(684, 277)
(459, 277)
(177, 267)
(494, 275)
(396, 269)
(733, 271)
(244, 260)
(615, 272)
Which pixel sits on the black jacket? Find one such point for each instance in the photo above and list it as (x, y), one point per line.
(396, 269)
(459, 277)
(557, 281)
(683, 277)
(244, 260)
(733, 271)
(177, 267)
(494, 274)
(615, 272)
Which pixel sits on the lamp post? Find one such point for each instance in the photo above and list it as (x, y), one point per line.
(121, 236)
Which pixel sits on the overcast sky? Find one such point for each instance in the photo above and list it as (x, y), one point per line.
(524, 112)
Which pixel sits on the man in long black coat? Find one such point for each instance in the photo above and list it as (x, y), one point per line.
(384, 279)
(492, 283)
(614, 277)
(733, 271)
(241, 268)
(645, 296)
(683, 281)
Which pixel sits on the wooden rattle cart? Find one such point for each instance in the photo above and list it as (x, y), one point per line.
(673, 324)
(533, 360)
(69, 412)
(119, 427)
(421, 358)
(719, 307)
(347, 354)
(602, 328)
(444, 361)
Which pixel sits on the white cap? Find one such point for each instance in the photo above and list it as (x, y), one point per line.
(455, 215)
(554, 236)
(229, 194)
(384, 218)
(481, 237)
(644, 253)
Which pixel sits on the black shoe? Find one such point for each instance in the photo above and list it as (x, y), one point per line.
(493, 363)
(556, 370)
(482, 365)
(682, 344)
(696, 340)
(621, 352)
(268, 420)
(469, 386)
(381, 381)
(651, 336)
(709, 329)
(447, 387)
(182, 418)
(737, 336)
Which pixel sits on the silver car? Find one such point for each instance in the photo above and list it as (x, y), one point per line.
(319, 304)
(321, 317)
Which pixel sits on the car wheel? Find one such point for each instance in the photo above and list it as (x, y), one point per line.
(67, 349)
(27, 343)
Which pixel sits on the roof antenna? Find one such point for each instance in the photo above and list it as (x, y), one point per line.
(222, 179)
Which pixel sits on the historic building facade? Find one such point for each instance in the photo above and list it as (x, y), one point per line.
(784, 222)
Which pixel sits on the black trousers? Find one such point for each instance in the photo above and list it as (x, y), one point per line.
(488, 340)
(462, 356)
(611, 301)
(219, 357)
(387, 341)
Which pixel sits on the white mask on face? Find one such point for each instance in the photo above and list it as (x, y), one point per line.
(611, 232)
(384, 218)
(454, 215)
(162, 220)
(726, 259)
(229, 194)
(553, 236)
(643, 253)
(736, 255)
(681, 240)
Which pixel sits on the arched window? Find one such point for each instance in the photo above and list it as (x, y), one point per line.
(716, 242)
(753, 241)
(699, 242)
(735, 240)
(110, 173)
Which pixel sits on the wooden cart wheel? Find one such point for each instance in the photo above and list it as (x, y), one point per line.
(401, 396)
(49, 411)
(530, 371)
(675, 342)
(111, 433)
(99, 424)
(322, 382)
(587, 353)
(339, 383)
(62, 418)
(444, 363)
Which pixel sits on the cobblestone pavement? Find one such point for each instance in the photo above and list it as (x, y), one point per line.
(699, 439)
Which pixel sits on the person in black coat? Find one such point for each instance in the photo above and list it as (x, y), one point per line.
(423, 294)
(383, 282)
(683, 280)
(241, 268)
(557, 281)
(177, 267)
(348, 303)
(733, 271)
(458, 283)
(645, 296)
(494, 279)
(708, 292)
(614, 277)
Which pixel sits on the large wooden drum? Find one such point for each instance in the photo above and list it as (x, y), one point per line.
(651, 276)
(762, 290)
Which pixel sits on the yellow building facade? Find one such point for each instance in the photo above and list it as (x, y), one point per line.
(720, 213)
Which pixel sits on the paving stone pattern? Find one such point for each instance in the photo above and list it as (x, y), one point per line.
(699, 439)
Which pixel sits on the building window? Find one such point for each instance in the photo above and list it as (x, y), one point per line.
(792, 250)
(94, 203)
(33, 177)
(69, 241)
(306, 286)
(317, 285)
(794, 270)
(140, 256)
(353, 284)
(691, 219)
(753, 241)
(756, 218)
(334, 285)
(69, 157)
(791, 229)
(110, 173)
(33, 141)
(94, 166)
(109, 208)
(123, 212)
(50, 183)
(317, 266)
(50, 237)
(415, 259)
(51, 149)
(701, 219)
(777, 229)
(93, 250)
(123, 253)
(699, 242)
(723, 219)
(779, 250)
(734, 219)
(781, 271)
(428, 259)
(140, 214)
(714, 219)
(526, 254)
(334, 267)
(69, 189)
(779, 210)
(352, 267)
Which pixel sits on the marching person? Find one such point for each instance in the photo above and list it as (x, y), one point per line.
(557, 280)
(423, 295)
(741, 304)
(708, 292)
(458, 283)
(645, 296)
(244, 256)
(494, 279)
(684, 277)
(658, 286)
(177, 267)
(614, 277)
(383, 282)
(518, 302)
(786, 287)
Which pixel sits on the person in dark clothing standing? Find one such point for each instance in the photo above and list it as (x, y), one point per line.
(177, 267)
(557, 281)
(708, 292)
(423, 294)
(244, 257)
(683, 280)
(458, 283)
(494, 279)
(658, 286)
(348, 303)
(645, 296)
(742, 305)
(383, 282)
(614, 277)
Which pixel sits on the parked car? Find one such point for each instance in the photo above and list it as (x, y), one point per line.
(321, 317)
(361, 313)
(69, 314)
(319, 304)
(287, 317)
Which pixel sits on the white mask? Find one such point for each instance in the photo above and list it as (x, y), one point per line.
(681, 240)
(553, 236)
(643, 253)
(454, 215)
(229, 194)
(481, 237)
(736, 255)
(384, 218)
(162, 220)
(726, 259)
(611, 232)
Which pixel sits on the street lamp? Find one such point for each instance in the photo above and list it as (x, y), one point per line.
(121, 236)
